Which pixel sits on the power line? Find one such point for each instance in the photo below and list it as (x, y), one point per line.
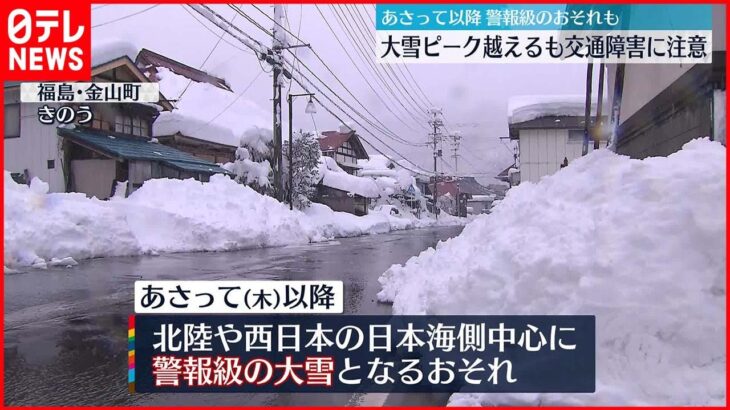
(382, 128)
(342, 21)
(212, 31)
(357, 67)
(392, 136)
(219, 20)
(365, 33)
(212, 50)
(233, 101)
(404, 66)
(125, 17)
(299, 30)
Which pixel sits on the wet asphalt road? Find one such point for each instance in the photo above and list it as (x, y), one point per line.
(65, 328)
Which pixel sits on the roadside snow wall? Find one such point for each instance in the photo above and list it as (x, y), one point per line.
(168, 215)
(638, 243)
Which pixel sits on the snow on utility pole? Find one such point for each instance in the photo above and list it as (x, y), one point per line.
(435, 139)
(278, 44)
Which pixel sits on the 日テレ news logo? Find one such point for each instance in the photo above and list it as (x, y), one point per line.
(46, 42)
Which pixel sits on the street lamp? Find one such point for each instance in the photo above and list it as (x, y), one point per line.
(310, 109)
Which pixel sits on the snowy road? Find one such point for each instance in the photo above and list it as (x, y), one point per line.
(65, 329)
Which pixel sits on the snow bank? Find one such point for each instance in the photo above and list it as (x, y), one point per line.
(638, 243)
(206, 112)
(167, 215)
(40, 226)
(529, 107)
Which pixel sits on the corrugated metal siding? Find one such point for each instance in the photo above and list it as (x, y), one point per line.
(543, 150)
(37, 145)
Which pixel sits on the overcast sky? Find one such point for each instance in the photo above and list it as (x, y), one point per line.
(473, 96)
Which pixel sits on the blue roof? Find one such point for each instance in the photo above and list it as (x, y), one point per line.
(124, 146)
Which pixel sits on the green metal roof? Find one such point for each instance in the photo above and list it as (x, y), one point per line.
(124, 146)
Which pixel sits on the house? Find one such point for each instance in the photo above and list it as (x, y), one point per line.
(549, 130)
(479, 204)
(510, 175)
(342, 191)
(657, 108)
(116, 146)
(172, 74)
(454, 193)
(345, 147)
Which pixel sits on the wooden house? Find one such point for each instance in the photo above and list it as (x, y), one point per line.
(116, 146)
(150, 63)
(345, 147)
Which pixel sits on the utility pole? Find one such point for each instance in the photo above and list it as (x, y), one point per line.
(455, 142)
(435, 138)
(277, 46)
(587, 121)
(598, 127)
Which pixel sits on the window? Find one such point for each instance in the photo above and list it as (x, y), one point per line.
(131, 125)
(12, 120)
(575, 136)
(100, 124)
(51, 163)
(346, 149)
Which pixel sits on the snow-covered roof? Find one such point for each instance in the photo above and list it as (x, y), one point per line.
(106, 50)
(481, 198)
(523, 108)
(149, 61)
(334, 177)
(206, 112)
(376, 162)
(332, 140)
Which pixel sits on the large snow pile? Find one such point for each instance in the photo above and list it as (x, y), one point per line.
(168, 215)
(638, 243)
(523, 108)
(205, 111)
(41, 226)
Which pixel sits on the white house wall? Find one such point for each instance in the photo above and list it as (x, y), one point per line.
(543, 150)
(37, 144)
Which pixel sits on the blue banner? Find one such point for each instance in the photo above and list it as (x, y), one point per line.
(542, 17)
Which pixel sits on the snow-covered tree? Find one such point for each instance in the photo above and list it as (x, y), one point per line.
(251, 166)
(305, 161)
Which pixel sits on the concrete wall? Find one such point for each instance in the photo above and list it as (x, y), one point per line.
(543, 150)
(37, 145)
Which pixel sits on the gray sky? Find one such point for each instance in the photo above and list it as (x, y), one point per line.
(473, 96)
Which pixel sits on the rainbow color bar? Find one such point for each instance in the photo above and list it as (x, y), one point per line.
(130, 343)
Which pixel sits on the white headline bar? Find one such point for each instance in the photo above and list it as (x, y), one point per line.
(543, 46)
(97, 92)
(240, 297)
